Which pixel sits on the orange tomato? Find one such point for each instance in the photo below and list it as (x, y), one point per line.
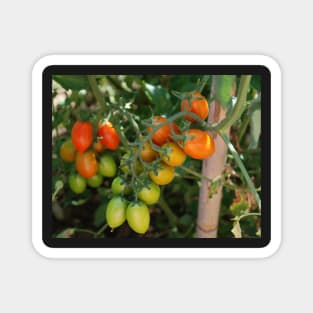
(163, 134)
(108, 136)
(175, 156)
(197, 105)
(67, 151)
(200, 146)
(147, 153)
(86, 164)
(98, 146)
(165, 174)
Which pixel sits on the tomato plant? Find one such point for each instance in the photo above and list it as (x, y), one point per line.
(120, 140)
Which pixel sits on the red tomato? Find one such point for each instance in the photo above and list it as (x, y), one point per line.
(108, 136)
(86, 164)
(82, 135)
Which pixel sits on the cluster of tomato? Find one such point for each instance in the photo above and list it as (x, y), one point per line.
(92, 165)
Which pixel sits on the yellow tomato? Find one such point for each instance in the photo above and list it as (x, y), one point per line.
(165, 174)
(174, 155)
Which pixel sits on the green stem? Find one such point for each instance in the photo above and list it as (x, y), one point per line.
(243, 128)
(194, 173)
(242, 168)
(239, 106)
(87, 231)
(101, 230)
(203, 83)
(173, 219)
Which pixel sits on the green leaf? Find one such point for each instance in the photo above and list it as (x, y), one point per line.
(74, 82)
(186, 220)
(255, 129)
(223, 85)
(256, 82)
(99, 217)
(159, 97)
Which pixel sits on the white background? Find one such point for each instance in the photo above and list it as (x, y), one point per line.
(31, 29)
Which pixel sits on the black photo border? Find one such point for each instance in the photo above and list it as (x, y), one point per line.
(52, 242)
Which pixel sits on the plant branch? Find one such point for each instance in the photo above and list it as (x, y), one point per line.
(173, 219)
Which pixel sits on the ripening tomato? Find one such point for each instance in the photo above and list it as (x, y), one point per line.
(175, 156)
(201, 146)
(77, 183)
(116, 212)
(162, 135)
(95, 181)
(138, 217)
(86, 164)
(107, 166)
(147, 153)
(165, 174)
(98, 146)
(108, 136)
(82, 136)
(150, 194)
(197, 105)
(67, 151)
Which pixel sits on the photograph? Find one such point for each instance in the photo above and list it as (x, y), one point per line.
(156, 156)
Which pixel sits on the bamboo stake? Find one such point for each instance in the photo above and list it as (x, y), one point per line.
(208, 209)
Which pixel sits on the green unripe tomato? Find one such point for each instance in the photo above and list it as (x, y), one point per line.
(95, 181)
(150, 194)
(77, 183)
(138, 217)
(116, 212)
(107, 166)
(118, 186)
